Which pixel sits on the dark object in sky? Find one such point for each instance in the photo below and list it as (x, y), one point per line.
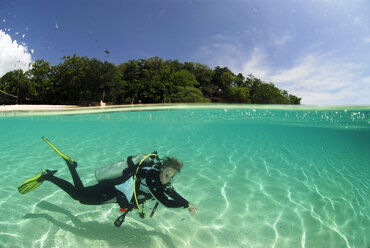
(107, 52)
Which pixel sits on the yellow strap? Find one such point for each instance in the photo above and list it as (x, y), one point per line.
(137, 202)
(65, 157)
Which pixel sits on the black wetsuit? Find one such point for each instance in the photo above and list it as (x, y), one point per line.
(106, 191)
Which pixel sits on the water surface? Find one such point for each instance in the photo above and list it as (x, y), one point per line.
(261, 176)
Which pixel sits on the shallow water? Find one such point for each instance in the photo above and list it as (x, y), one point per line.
(260, 176)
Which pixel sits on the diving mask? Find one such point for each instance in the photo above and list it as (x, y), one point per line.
(171, 175)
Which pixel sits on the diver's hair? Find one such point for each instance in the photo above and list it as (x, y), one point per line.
(172, 163)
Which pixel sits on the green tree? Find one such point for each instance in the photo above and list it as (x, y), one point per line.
(294, 99)
(223, 79)
(186, 87)
(69, 80)
(131, 72)
(268, 93)
(147, 81)
(240, 80)
(184, 78)
(188, 95)
(40, 76)
(153, 63)
(82, 81)
(15, 84)
(151, 88)
(174, 65)
(203, 74)
(102, 81)
(239, 95)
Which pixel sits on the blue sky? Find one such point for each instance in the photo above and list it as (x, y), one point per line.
(318, 50)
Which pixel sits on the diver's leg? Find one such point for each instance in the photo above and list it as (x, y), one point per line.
(98, 193)
(66, 186)
(76, 178)
(91, 195)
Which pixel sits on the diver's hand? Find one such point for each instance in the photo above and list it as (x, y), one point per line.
(192, 209)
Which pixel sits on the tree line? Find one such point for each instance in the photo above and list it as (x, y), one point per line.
(84, 81)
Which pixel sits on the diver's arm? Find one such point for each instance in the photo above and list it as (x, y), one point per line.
(159, 191)
(170, 203)
(174, 195)
(170, 191)
(176, 202)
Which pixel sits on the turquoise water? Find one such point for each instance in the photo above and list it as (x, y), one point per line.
(260, 176)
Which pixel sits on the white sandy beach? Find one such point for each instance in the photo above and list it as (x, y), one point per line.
(55, 108)
(24, 109)
(35, 107)
(46, 107)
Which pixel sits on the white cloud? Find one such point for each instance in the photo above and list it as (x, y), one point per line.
(221, 50)
(12, 55)
(282, 40)
(318, 78)
(366, 40)
(257, 64)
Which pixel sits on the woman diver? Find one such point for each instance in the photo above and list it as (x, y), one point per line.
(129, 183)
